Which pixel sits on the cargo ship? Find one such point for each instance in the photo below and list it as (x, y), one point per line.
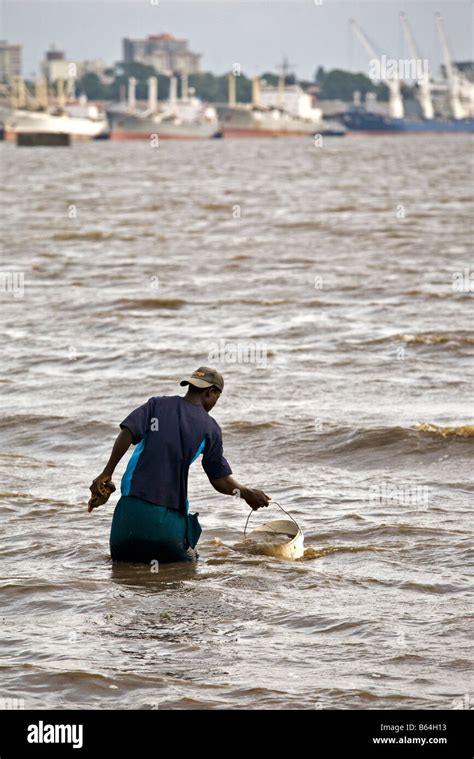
(185, 118)
(283, 111)
(360, 119)
(56, 121)
(37, 114)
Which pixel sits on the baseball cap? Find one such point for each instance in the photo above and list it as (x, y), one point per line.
(205, 377)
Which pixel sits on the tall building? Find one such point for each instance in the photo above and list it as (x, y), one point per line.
(97, 67)
(167, 54)
(55, 66)
(10, 61)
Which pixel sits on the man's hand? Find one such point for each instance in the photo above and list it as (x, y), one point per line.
(104, 477)
(102, 487)
(256, 499)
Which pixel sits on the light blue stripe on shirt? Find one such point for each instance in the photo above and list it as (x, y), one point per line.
(127, 477)
(199, 450)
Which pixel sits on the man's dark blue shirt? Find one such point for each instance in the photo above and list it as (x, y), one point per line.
(170, 433)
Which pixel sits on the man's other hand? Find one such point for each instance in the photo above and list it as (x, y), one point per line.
(256, 499)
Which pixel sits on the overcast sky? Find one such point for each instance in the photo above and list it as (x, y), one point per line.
(254, 34)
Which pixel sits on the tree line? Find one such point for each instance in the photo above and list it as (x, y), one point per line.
(335, 84)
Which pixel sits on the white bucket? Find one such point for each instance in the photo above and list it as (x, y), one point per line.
(292, 540)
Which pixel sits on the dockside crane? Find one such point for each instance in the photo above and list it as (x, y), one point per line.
(395, 103)
(423, 82)
(452, 74)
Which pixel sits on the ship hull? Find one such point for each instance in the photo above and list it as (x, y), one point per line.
(162, 135)
(11, 135)
(130, 127)
(76, 127)
(253, 122)
(262, 132)
(360, 122)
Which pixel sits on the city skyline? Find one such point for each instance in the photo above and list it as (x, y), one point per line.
(255, 34)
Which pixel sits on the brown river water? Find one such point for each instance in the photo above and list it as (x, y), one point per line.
(331, 286)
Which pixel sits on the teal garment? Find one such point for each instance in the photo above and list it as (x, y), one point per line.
(145, 532)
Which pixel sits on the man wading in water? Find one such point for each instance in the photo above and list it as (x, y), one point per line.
(151, 520)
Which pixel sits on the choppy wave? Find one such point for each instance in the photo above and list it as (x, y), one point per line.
(90, 236)
(463, 430)
(150, 303)
(262, 302)
(300, 225)
(243, 425)
(32, 428)
(383, 441)
(217, 207)
(310, 552)
(377, 444)
(429, 294)
(460, 338)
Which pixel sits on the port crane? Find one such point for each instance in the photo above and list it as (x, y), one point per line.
(423, 82)
(395, 104)
(452, 74)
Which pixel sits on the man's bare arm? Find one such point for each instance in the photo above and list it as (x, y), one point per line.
(120, 448)
(228, 486)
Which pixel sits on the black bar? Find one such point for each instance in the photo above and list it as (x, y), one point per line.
(322, 733)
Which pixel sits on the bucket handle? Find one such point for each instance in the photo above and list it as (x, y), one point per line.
(272, 503)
